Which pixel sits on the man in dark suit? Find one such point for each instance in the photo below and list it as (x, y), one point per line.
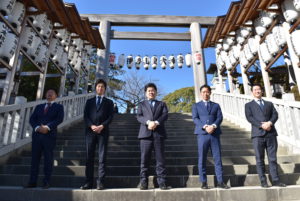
(207, 116)
(262, 116)
(98, 114)
(44, 121)
(152, 115)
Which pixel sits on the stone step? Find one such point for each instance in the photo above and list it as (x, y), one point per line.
(120, 153)
(176, 194)
(130, 170)
(189, 181)
(242, 160)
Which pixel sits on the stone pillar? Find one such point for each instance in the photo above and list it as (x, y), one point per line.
(294, 58)
(198, 69)
(102, 62)
(264, 73)
(288, 62)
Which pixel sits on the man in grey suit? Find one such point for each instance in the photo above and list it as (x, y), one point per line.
(152, 115)
(262, 116)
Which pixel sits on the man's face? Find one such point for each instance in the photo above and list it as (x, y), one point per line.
(257, 92)
(151, 93)
(205, 94)
(100, 89)
(51, 95)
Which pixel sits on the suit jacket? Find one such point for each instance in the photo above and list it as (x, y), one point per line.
(202, 116)
(255, 116)
(102, 116)
(145, 113)
(52, 118)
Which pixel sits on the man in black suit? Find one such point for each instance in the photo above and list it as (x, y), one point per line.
(44, 121)
(152, 115)
(262, 116)
(98, 114)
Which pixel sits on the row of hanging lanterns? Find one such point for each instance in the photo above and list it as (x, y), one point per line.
(231, 50)
(154, 61)
(64, 48)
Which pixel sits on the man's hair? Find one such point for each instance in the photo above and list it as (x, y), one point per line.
(150, 85)
(205, 86)
(256, 84)
(100, 81)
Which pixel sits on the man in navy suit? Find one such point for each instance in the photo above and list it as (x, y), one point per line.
(44, 121)
(152, 115)
(207, 116)
(98, 114)
(262, 116)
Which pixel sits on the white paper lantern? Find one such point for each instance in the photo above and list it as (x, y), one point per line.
(74, 59)
(198, 58)
(54, 43)
(188, 60)
(163, 61)
(60, 33)
(66, 38)
(78, 64)
(17, 15)
(71, 52)
(297, 4)
(138, 61)
(279, 35)
(232, 59)
(180, 60)
(6, 6)
(46, 29)
(112, 59)
(236, 49)
(42, 56)
(154, 62)
(89, 49)
(248, 53)
(57, 56)
(121, 60)
(32, 51)
(220, 62)
(27, 38)
(295, 38)
(146, 61)
(244, 32)
(260, 29)
(289, 11)
(64, 60)
(273, 47)
(38, 20)
(240, 39)
(129, 61)
(243, 61)
(224, 55)
(9, 46)
(172, 61)
(265, 54)
(3, 33)
(253, 45)
(228, 64)
(266, 18)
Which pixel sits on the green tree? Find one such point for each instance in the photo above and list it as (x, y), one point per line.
(180, 100)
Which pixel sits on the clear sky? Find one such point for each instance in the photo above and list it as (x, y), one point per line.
(169, 79)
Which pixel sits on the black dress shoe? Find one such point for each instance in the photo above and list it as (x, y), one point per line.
(163, 186)
(30, 185)
(46, 185)
(222, 185)
(100, 186)
(279, 184)
(86, 186)
(204, 185)
(143, 186)
(264, 184)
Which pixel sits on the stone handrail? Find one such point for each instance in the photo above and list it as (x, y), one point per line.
(15, 130)
(288, 124)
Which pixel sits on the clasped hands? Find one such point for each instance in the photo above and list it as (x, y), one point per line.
(97, 129)
(42, 129)
(152, 125)
(266, 125)
(209, 129)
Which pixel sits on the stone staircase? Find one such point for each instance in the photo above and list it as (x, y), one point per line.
(123, 162)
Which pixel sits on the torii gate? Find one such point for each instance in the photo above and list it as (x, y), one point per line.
(105, 22)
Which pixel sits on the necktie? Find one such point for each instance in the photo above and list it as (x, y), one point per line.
(98, 102)
(47, 108)
(151, 102)
(207, 105)
(261, 104)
